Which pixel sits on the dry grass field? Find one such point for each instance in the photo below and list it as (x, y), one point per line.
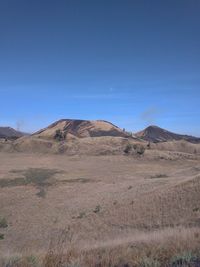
(112, 210)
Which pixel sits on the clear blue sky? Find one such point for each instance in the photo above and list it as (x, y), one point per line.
(132, 62)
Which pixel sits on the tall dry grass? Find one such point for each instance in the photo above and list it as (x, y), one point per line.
(169, 247)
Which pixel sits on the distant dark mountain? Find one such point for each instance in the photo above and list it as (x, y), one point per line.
(10, 133)
(157, 134)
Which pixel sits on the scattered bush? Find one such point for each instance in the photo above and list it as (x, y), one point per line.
(97, 209)
(149, 145)
(41, 193)
(59, 135)
(137, 149)
(159, 176)
(196, 209)
(81, 215)
(3, 223)
(128, 149)
(1, 236)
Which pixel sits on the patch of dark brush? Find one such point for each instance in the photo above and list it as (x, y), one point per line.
(159, 176)
(77, 180)
(38, 177)
(41, 193)
(13, 182)
(1, 236)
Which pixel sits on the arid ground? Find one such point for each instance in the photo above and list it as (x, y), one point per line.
(102, 201)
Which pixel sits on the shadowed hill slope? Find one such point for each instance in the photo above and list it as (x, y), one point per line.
(157, 134)
(10, 133)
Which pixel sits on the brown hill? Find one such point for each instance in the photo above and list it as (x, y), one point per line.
(76, 137)
(10, 133)
(80, 128)
(156, 134)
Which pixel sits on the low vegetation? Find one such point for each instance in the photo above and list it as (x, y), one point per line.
(167, 248)
(34, 176)
(41, 178)
(3, 223)
(160, 175)
(81, 215)
(37, 176)
(77, 180)
(134, 149)
(59, 135)
(97, 209)
(187, 258)
(1, 236)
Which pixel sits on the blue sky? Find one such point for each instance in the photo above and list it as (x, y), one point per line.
(132, 62)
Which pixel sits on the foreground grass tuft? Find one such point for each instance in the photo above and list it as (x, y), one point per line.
(148, 262)
(28, 261)
(184, 259)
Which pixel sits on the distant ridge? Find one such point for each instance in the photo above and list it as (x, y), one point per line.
(10, 133)
(156, 134)
(81, 129)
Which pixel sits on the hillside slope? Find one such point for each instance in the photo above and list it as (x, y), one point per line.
(157, 134)
(80, 128)
(10, 133)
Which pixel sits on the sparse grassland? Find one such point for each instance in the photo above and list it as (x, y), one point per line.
(121, 211)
